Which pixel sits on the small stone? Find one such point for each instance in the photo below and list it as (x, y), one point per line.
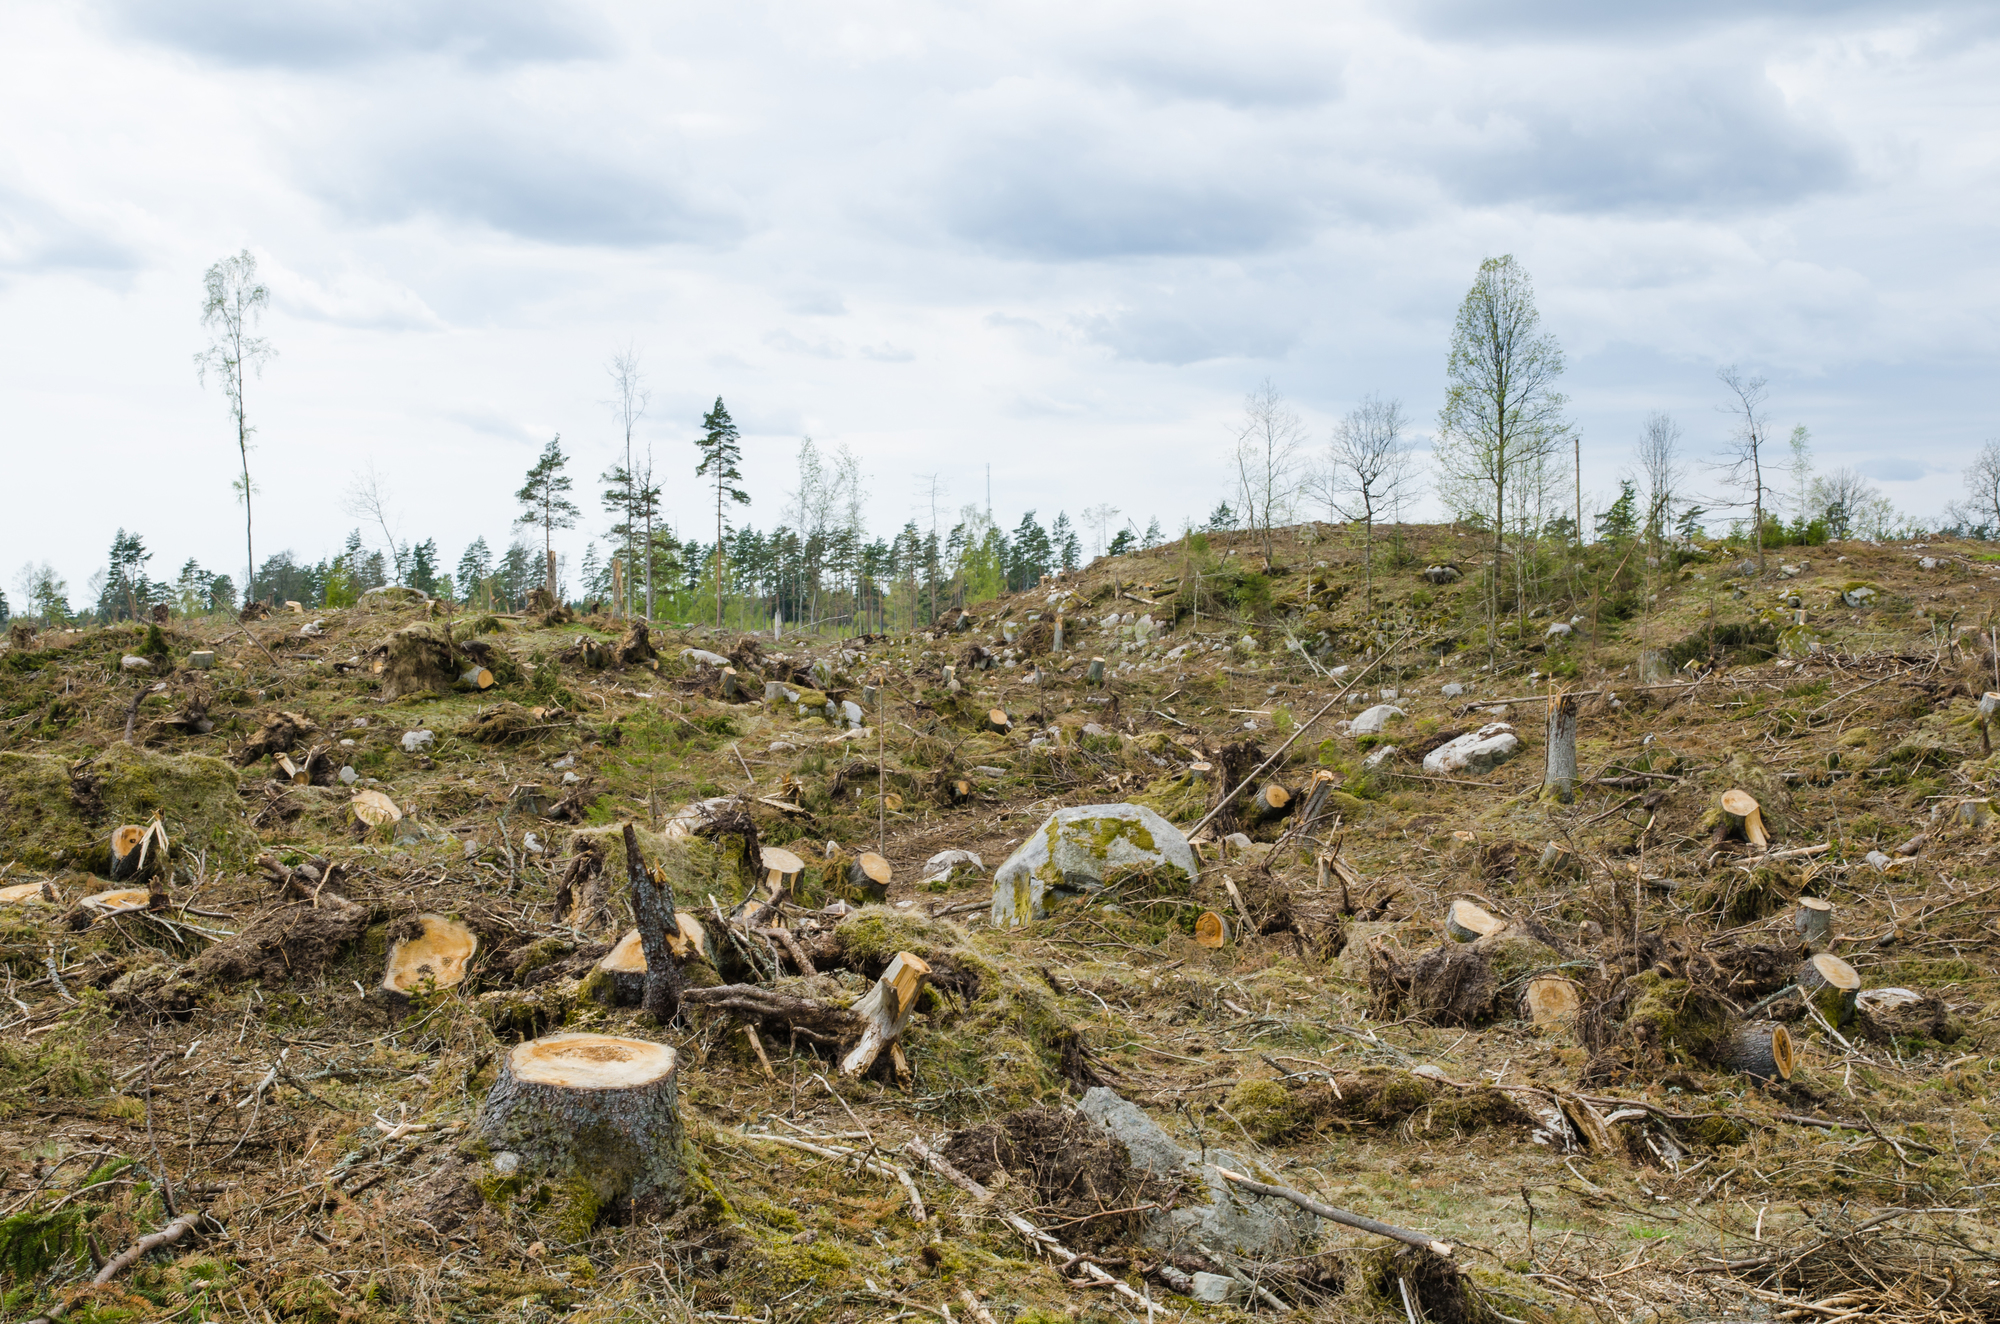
(348, 776)
(418, 739)
(1217, 1289)
(132, 663)
(347, 744)
(506, 1163)
(1374, 721)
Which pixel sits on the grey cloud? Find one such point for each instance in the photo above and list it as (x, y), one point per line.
(537, 184)
(313, 34)
(1479, 20)
(1186, 334)
(39, 235)
(1681, 141)
(1893, 471)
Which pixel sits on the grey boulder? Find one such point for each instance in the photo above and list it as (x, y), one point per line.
(1374, 721)
(1070, 854)
(1230, 1220)
(1475, 751)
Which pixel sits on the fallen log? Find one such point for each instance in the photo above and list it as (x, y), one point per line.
(1346, 1218)
(1270, 804)
(818, 1022)
(1762, 1051)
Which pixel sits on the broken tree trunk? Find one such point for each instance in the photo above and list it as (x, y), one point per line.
(590, 1109)
(138, 851)
(1560, 774)
(1814, 920)
(653, 907)
(816, 1022)
(1743, 816)
(1466, 922)
(1321, 786)
(1763, 1051)
(1831, 985)
(636, 647)
(886, 1009)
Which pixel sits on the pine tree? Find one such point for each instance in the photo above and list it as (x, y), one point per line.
(475, 565)
(720, 454)
(1622, 519)
(1121, 544)
(424, 566)
(1068, 547)
(125, 586)
(1154, 537)
(1222, 519)
(545, 502)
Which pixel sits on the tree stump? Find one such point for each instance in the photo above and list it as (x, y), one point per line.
(439, 954)
(1212, 930)
(885, 1010)
(1552, 1002)
(597, 1117)
(1831, 985)
(1560, 773)
(1093, 675)
(1270, 804)
(868, 876)
(137, 851)
(998, 721)
(1744, 817)
(1814, 920)
(625, 964)
(1763, 1051)
(1466, 922)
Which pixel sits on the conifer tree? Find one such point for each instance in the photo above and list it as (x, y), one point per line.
(545, 502)
(720, 454)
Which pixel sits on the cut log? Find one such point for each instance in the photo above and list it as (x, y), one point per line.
(868, 876)
(885, 1009)
(1763, 1051)
(28, 894)
(625, 964)
(119, 901)
(1831, 985)
(1814, 921)
(1270, 804)
(1560, 774)
(1093, 675)
(439, 955)
(997, 720)
(653, 907)
(1744, 816)
(1466, 922)
(596, 1116)
(1212, 929)
(478, 678)
(1552, 1002)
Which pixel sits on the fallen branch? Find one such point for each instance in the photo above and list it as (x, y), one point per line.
(166, 1236)
(1341, 1216)
(842, 1154)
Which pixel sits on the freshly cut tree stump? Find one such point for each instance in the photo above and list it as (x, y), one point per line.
(1814, 920)
(868, 876)
(1270, 804)
(1763, 1050)
(374, 808)
(1831, 985)
(1743, 815)
(733, 688)
(625, 964)
(439, 954)
(1212, 929)
(1093, 675)
(1199, 772)
(885, 1010)
(1466, 922)
(782, 871)
(1552, 1002)
(598, 1117)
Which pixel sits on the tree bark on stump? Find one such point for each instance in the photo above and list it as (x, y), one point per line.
(885, 1010)
(1742, 814)
(653, 907)
(597, 1116)
(1561, 772)
(1466, 922)
(1093, 675)
(1814, 920)
(868, 877)
(625, 964)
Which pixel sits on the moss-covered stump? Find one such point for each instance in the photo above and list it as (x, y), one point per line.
(594, 1118)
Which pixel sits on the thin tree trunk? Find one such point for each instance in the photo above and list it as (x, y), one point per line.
(1561, 768)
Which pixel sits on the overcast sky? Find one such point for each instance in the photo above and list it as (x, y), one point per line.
(1062, 240)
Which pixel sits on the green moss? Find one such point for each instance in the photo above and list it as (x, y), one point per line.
(1267, 1110)
(874, 934)
(1717, 1132)
(1671, 1015)
(50, 818)
(786, 1267)
(573, 1208)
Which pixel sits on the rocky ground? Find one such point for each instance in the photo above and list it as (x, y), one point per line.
(1567, 1104)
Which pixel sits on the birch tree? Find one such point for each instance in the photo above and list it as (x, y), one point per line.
(629, 398)
(1503, 417)
(234, 300)
(1368, 471)
(1744, 459)
(1266, 460)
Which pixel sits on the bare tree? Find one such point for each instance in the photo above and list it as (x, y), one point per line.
(1744, 466)
(367, 500)
(1502, 417)
(1982, 488)
(1266, 456)
(1663, 470)
(1852, 506)
(1801, 467)
(1099, 517)
(1368, 470)
(629, 398)
(233, 301)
